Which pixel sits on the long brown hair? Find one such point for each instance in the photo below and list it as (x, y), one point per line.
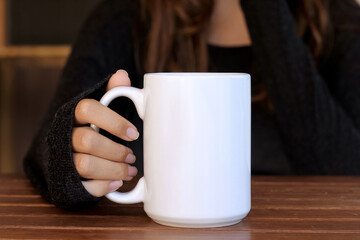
(176, 38)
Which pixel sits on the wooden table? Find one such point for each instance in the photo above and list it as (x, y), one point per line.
(282, 208)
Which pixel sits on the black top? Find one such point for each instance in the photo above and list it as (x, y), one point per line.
(230, 59)
(317, 111)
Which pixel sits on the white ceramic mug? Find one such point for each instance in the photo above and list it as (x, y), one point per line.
(196, 148)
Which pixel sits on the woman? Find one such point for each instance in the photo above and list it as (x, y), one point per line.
(304, 60)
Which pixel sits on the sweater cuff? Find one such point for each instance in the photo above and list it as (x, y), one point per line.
(64, 183)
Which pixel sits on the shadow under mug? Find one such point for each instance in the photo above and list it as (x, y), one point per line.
(196, 148)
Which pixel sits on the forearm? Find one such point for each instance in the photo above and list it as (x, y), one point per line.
(49, 162)
(104, 45)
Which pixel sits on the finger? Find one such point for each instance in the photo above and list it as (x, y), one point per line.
(93, 112)
(86, 140)
(120, 78)
(99, 188)
(92, 167)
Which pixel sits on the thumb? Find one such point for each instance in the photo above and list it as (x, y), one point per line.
(120, 78)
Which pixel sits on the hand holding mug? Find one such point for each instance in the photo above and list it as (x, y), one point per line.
(196, 147)
(96, 157)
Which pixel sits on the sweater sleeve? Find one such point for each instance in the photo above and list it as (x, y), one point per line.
(318, 115)
(103, 46)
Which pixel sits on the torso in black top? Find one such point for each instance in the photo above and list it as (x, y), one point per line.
(267, 154)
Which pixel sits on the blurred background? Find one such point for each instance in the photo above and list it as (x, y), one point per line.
(35, 41)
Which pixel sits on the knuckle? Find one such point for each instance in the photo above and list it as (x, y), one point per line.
(85, 139)
(83, 165)
(84, 107)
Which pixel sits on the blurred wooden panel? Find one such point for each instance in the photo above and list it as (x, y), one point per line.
(2, 23)
(35, 38)
(61, 51)
(6, 151)
(27, 86)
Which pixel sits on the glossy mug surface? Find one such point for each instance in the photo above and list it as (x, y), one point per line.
(196, 148)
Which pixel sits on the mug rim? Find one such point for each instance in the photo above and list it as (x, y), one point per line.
(197, 74)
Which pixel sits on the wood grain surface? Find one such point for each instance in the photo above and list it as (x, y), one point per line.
(282, 208)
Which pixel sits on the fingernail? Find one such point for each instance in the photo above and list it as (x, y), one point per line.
(114, 185)
(132, 133)
(132, 171)
(130, 158)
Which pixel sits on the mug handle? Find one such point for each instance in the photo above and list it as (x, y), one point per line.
(137, 96)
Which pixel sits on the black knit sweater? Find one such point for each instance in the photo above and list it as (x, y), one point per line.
(317, 110)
